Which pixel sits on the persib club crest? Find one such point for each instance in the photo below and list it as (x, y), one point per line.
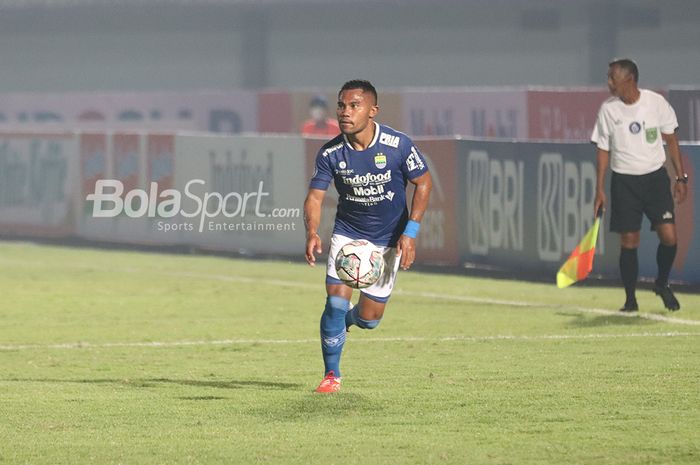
(380, 160)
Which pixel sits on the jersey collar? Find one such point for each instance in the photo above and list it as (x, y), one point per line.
(374, 139)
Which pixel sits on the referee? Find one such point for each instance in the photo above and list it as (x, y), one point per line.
(630, 131)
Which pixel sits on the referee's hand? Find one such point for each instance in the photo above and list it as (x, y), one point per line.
(680, 192)
(599, 203)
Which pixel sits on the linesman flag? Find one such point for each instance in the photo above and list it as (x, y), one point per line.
(580, 262)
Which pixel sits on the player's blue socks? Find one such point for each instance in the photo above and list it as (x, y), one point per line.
(353, 318)
(333, 332)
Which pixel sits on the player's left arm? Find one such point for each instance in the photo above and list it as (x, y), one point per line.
(406, 245)
(680, 189)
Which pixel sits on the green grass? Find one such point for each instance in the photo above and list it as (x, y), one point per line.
(450, 377)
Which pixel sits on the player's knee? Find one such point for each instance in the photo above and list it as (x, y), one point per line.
(336, 308)
(368, 324)
(333, 322)
(667, 235)
(629, 240)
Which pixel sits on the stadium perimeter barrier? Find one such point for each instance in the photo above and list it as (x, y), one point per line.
(513, 206)
(523, 113)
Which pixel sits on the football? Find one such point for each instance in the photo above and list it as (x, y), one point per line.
(359, 264)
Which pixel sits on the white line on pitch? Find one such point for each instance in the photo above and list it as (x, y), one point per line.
(516, 303)
(227, 342)
(429, 295)
(452, 297)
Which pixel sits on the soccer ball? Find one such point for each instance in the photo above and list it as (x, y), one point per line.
(359, 264)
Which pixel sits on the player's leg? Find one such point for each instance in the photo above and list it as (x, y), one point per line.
(333, 320)
(665, 254)
(659, 209)
(629, 268)
(368, 312)
(626, 205)
(666, 251)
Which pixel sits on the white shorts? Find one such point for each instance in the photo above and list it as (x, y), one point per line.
(379, 291)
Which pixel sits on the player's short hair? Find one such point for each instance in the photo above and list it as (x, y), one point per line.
(363, 84)
(628, 65)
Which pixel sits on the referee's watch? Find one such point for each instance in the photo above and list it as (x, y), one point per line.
(682, 179)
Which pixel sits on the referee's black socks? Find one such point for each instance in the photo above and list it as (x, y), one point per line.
(665, 255)
(629, 270)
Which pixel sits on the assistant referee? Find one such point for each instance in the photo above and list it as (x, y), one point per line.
(630, 131)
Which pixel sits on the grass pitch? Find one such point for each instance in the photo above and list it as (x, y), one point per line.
(141, 358)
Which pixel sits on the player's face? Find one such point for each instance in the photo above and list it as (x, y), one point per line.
(356, 109)
(618, 80)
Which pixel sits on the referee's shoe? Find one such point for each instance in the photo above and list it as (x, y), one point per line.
(670, 301)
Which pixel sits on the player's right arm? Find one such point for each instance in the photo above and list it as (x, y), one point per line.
(601, 138)
(312, 220)
(320, 180)
(603, 161)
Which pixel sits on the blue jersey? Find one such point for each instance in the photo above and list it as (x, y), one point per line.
(371, 184)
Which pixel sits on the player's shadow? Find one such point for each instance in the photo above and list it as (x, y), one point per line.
(579, 320)
(232, 384)
(310, 405)
(155, 382)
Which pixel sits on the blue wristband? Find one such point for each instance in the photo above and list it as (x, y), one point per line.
(412, 228)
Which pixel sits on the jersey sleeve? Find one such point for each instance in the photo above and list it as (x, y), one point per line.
(667, 117)
(413, 162)
(323, 175)
(601, 131)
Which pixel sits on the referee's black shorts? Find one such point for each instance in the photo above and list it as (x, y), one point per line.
(633, 195)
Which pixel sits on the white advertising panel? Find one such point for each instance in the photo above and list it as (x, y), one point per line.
(242, 193)
(37, 175)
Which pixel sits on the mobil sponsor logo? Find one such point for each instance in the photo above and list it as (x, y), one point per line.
(494, 203)
(565, 196)
(369, 190)
(369, 179)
